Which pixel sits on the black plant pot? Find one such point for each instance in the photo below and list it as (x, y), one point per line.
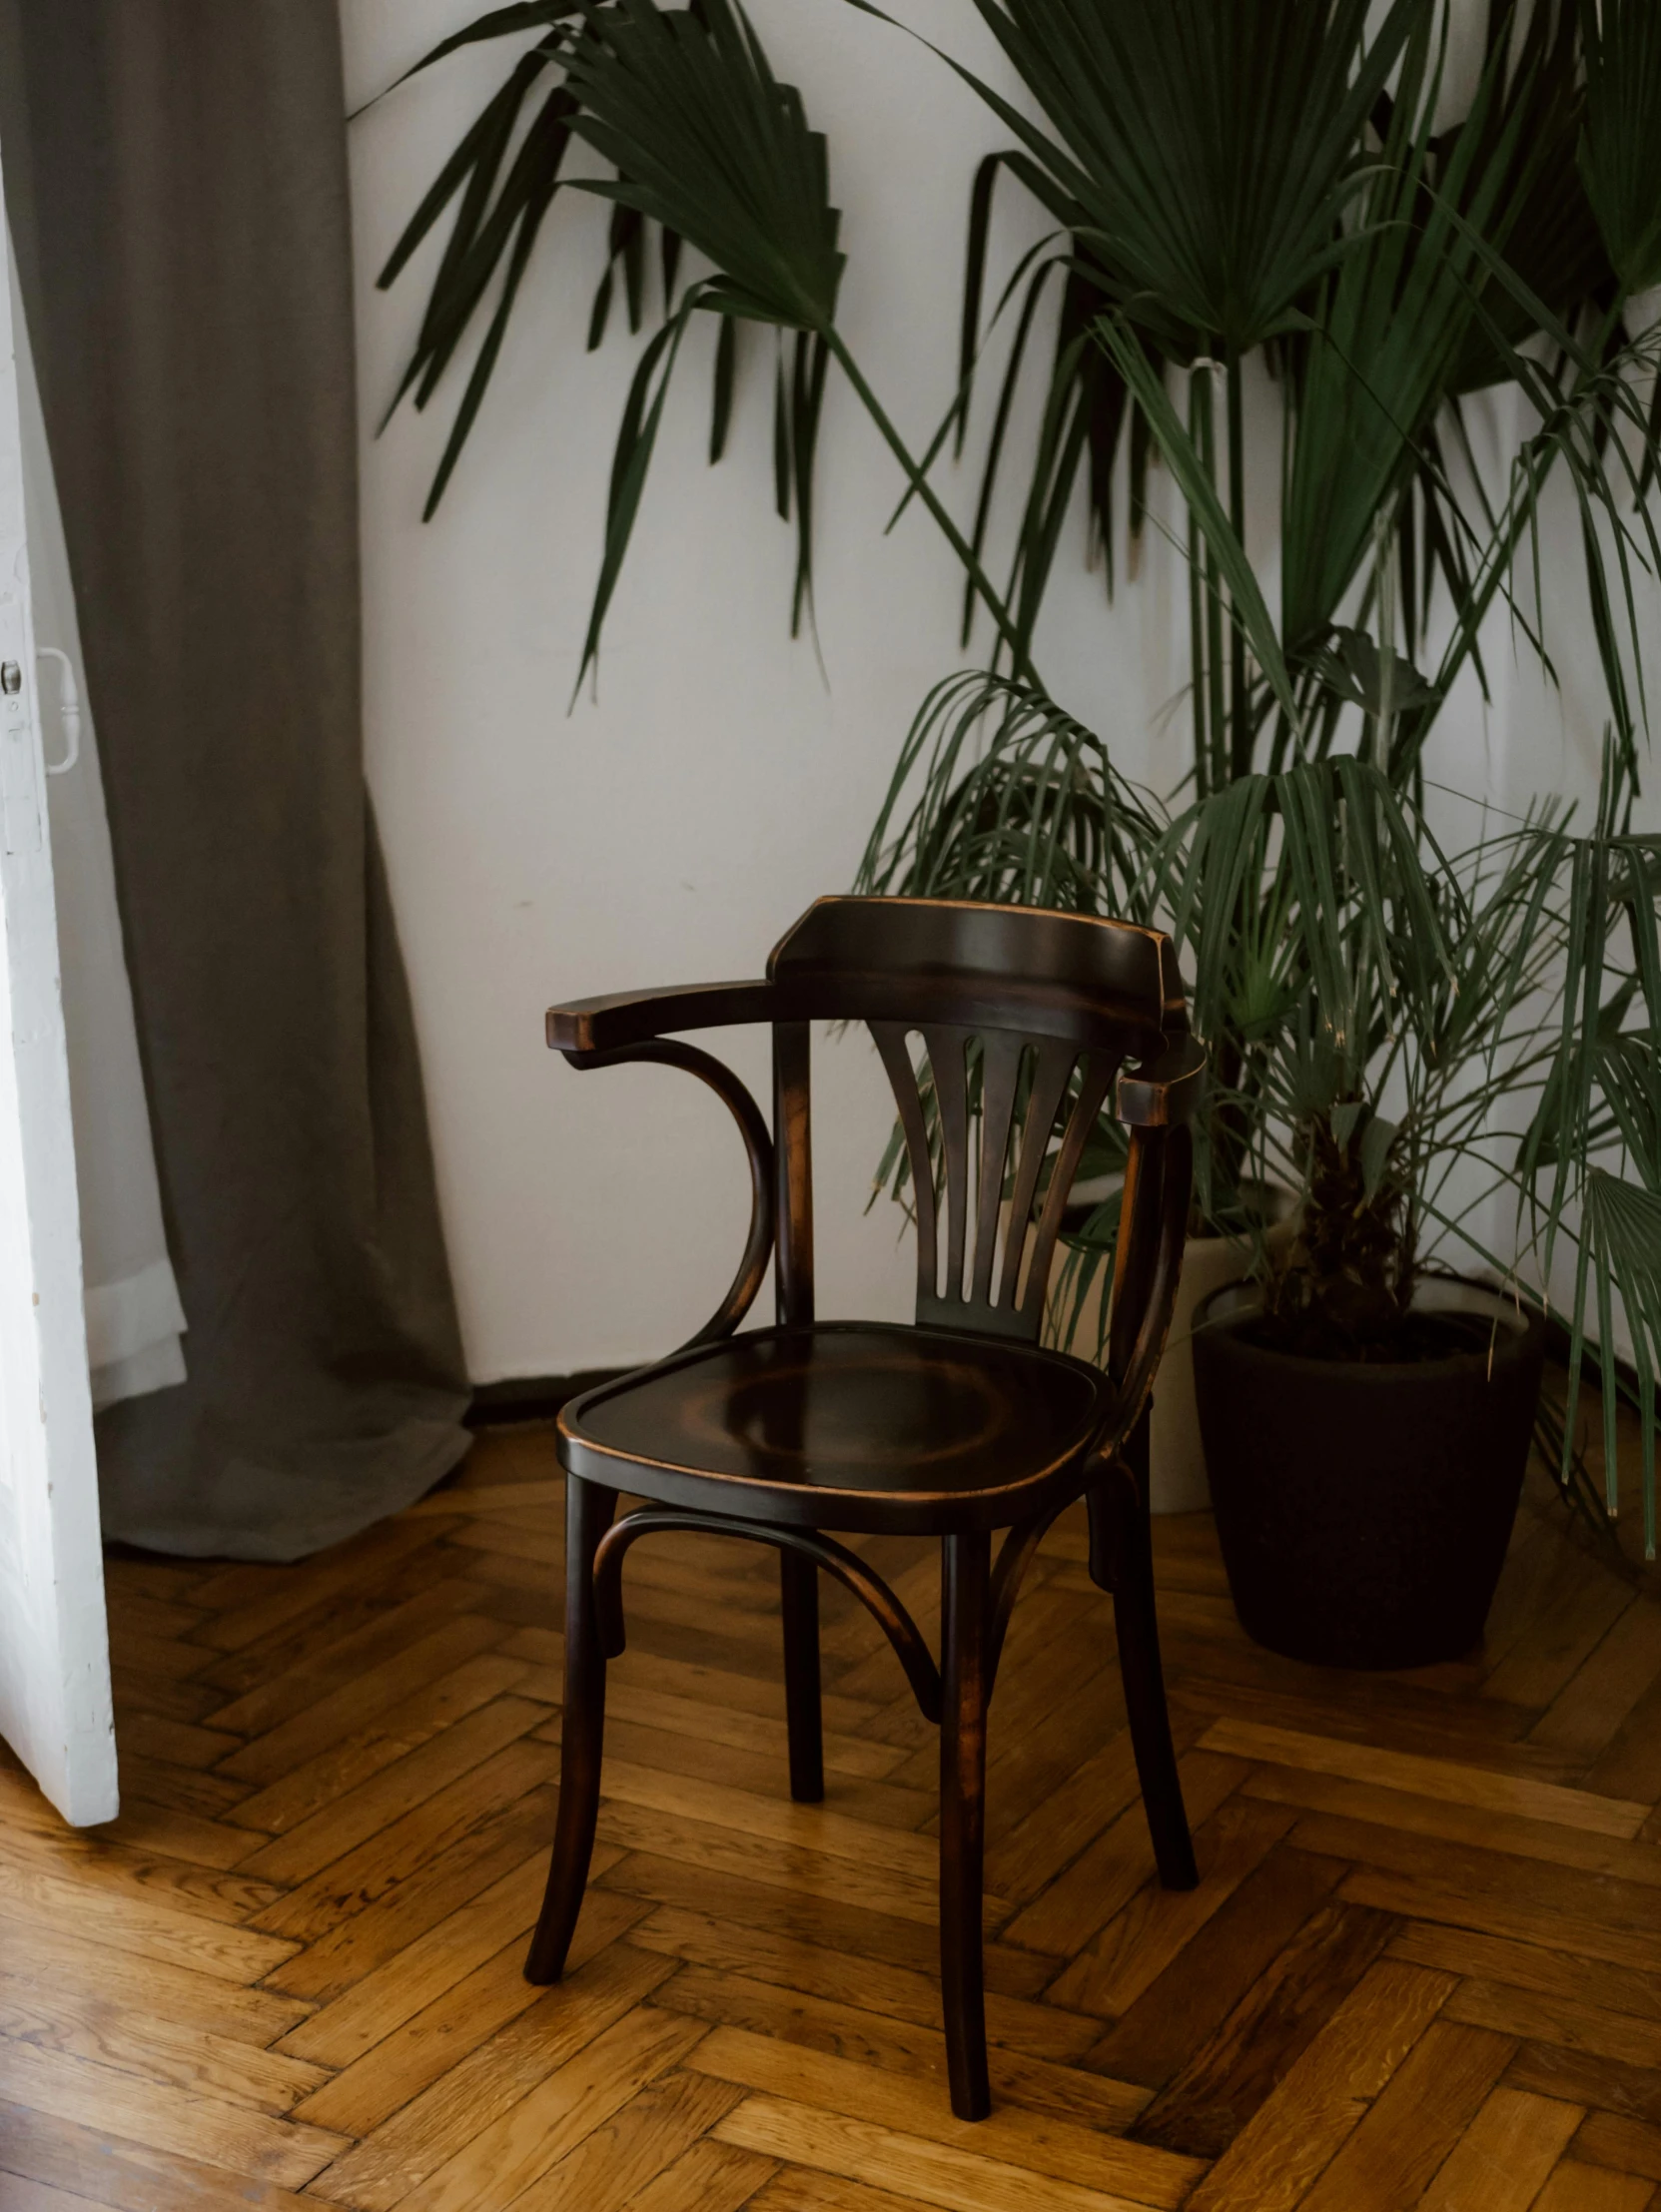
(1363, 1511)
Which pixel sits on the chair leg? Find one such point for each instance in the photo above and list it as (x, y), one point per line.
(799, 1600)
(1137, 1626)
(964, 1575)
(589, 1511)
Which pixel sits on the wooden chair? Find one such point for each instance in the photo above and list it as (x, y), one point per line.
(958, 1427)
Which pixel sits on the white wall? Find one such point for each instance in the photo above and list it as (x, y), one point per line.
(671, 831)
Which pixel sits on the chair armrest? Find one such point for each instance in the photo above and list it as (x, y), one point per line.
(758, 1146)
(630, 1017)
(1164, 1093)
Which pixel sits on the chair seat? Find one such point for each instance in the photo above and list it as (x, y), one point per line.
(849, 1425)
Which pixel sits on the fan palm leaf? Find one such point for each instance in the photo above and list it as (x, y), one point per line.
(707, 142)
(1554, 242)
(496, 225)
(1620, 147)
(1387, 337)
(711, 145)
(1212, 146)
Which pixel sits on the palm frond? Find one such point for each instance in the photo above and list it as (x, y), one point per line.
(507, 22)
(708, 143)
(1620, 145)
(1553, 244)
(1248, 609)
(1000, 795)
(1386, 339)
(1087, 412)
(1212, 146)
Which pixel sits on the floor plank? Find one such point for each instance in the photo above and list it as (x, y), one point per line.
(1415, 2121)
(1506, 2156)
(1423, 1966)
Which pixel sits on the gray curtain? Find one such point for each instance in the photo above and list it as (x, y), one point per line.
(176, 171)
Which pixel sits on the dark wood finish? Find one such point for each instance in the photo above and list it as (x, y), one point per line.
(1029, 1024)
(1165, 1093)
(1122, 1496)
(948, 1301)
(806, 1545)
(799, 1611)
(792, 1117)
(965, 1690)
(793, 1290)
(855, 1425)
(589, 1511)
(633, 1016)
(758, 1148)
(951, 960)
(1014, 1556)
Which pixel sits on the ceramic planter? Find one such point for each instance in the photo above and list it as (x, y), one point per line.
(1364, 1510)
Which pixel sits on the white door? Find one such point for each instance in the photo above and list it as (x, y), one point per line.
(55, 1708)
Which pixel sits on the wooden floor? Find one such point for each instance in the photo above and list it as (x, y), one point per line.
(1423, 1966)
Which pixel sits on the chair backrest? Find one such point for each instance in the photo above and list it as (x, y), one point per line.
(1025, 1018)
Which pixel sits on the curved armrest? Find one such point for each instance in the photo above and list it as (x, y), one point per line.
(1164, 1093)
(758, 1145)
(630, 1017)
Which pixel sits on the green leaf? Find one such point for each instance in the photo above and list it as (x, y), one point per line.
(530, 194)
(1346, 1118)
(636, 438)
(525, 15)
(1245, 600)
(726, 371)
(1620, 147)
(1354, 670)
(1387, 336)
(706, 141)
(1377, 1140)
(1211, 146)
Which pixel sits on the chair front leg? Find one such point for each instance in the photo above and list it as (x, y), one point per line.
(589, 1511)
(965, 1564)
(799, 1602)
(1119, 1506)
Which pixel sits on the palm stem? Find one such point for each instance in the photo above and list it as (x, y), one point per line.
(1196, 634)
(1216, 711)
(1000, 613)
(1237, 705)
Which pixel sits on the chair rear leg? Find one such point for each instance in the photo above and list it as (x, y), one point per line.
(589, 1511)
(1124, 1507)
(964, 1575)
(799, 1601)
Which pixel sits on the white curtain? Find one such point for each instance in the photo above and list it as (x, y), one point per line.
(134, 1319)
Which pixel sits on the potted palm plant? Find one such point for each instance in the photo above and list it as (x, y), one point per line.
(1472, 1067)
(1232, 183)
(1388, 267)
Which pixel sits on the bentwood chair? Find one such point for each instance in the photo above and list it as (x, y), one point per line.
(961, 1426)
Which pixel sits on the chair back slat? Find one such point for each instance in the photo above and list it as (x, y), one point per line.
(1024, 1019)
(1094, 1091)
(1000, 1058)
(896, 1059)
(947, 1051)
(1052, 1070)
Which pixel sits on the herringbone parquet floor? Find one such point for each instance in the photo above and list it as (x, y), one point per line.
(1422, 1968)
